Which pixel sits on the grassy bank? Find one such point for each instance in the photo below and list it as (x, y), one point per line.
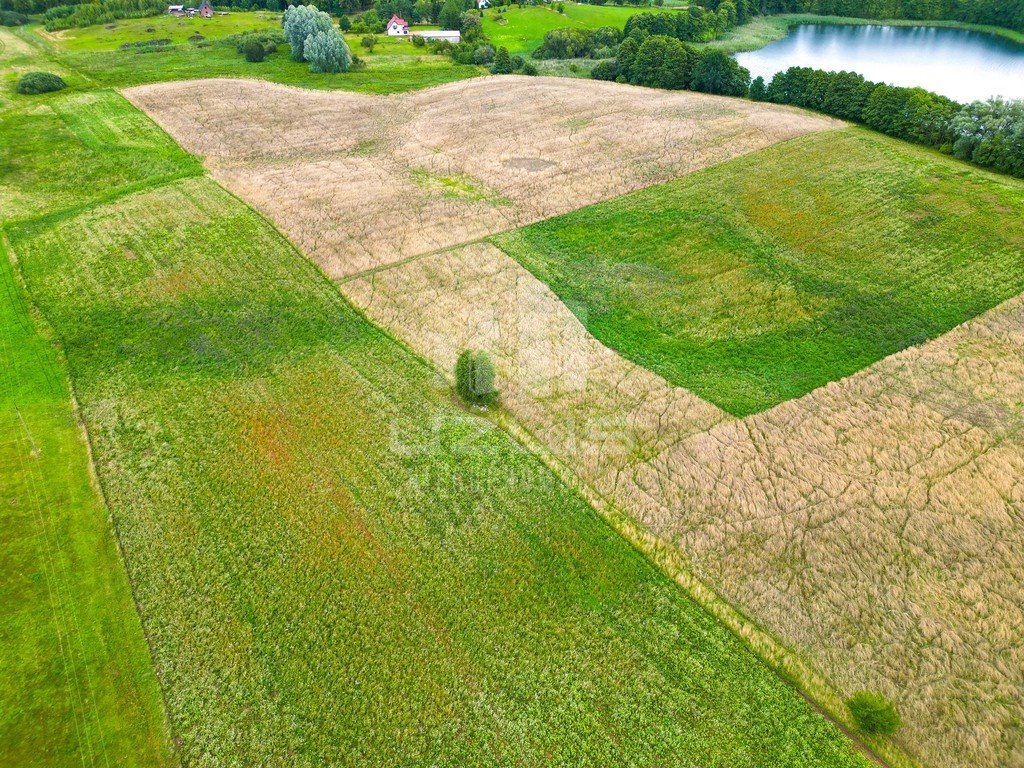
(733, 291)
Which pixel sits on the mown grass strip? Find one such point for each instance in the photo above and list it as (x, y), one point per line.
(78, 685)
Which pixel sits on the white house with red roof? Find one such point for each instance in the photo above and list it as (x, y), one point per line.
(397, 27)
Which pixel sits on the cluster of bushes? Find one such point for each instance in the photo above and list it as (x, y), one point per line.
(144, 45)
(658, 61)
(989, 133)
(474, 379)
(256, 46)
(695, 24)
(12, 19)
(312, 37)
(572, 43)
(1000, 13)
(101, 12)
(32, 83)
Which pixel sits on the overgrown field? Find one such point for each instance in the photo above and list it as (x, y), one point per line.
(758, 280)
(330, 168)
(333, 562)
(110, 146)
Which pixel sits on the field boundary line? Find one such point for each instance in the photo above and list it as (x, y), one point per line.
(489, 237)
(49, 334)
(785, 662)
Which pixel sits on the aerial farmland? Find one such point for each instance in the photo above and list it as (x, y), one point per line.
(382, 406)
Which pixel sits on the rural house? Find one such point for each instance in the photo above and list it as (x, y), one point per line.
(176, 10)
(206, 10)
(397, 26)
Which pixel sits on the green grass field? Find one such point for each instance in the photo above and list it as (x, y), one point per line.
(760, 279)
(523, 28)
(78, 685)
(109, 37)
(333, 562)
(390, 68)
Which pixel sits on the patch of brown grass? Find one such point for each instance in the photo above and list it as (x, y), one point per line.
(340, 172)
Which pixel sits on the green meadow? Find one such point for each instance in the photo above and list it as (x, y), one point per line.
(521, 30)
(760, 279)
(108, 37)
(332, 562)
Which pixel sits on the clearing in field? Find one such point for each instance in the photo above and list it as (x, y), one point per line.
(333, 563)
(761, 279)
(361, 182)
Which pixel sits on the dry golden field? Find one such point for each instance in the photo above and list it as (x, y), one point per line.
(874, 525)
(361, 181)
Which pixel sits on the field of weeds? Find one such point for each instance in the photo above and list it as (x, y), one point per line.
(759, 280)
(334, 170)
(333, 563)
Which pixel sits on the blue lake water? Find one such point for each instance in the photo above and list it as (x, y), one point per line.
(962, 65)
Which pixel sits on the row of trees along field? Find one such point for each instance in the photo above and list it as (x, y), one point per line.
(988, 133)
(999, 13)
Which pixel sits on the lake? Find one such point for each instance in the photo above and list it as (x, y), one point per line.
(962, 65)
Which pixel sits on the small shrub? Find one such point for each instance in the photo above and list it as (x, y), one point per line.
(474, 378)
(484, 54)
(32, 83)
(529, 68)
(254, 51)
(502, 63)
(873, 713)
(418, 41)
(368, 42)
(196, 38)
(605, 70)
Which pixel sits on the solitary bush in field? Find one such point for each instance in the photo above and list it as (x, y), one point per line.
(40, 82)
(873, 713)
(474, 378)
(254, 51)
(368, 42)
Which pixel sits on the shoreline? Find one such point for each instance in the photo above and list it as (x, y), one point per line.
(763, 30)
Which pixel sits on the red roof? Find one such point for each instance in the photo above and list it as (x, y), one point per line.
(401, 22)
